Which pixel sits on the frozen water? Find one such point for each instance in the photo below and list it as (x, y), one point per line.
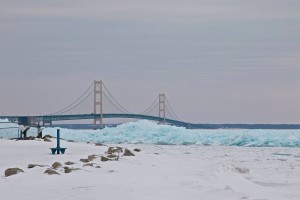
(147, 132)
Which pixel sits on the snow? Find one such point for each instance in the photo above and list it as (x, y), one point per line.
(157, 172)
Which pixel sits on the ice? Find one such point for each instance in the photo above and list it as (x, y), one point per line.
(147, 132)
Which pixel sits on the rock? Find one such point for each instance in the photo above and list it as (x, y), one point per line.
(34, 165)
(128, 153)
(104, 159)
(137, 150)
(99, 144)
(29, 138)
(12, 171)
(70, 140)
(91, 157)
(51, 172)
(112, 150)
(111, 156)
(98, 167)
(69, 163)
(84, 160)
(56, 165)
(47, 136)
(69, 170)
(242, 170)
(31, 166)
(88, 165)
(47, 140)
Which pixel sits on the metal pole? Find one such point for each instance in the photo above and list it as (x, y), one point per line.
(58, 138)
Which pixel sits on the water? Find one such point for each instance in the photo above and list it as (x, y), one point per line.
(146, 132)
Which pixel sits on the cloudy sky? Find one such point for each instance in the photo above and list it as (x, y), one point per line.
(218, 61)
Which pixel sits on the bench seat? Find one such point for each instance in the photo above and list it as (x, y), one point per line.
(58, 150)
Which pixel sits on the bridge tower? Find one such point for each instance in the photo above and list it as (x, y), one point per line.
(162, 107)
(98, 104)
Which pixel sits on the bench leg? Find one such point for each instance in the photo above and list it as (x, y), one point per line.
(53, 151)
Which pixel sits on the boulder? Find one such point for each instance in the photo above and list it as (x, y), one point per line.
(69, 163)
(84, 160)
(69, 170)
(99, 144)
(91, 157)
(47, 140)
(137, 150)
(47, 136)
(12, 171)
(112, 150)
(111, 156)
(128, 153)
(56, 165)
(104, 159)
(242, 170)
(51, 172)
(29, 138)
(34, 165)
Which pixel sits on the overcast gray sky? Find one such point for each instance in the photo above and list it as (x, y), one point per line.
(218, 61)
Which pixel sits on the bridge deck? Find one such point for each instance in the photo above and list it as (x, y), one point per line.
(52, 118)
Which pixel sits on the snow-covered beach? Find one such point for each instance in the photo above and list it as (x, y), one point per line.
(156, 172)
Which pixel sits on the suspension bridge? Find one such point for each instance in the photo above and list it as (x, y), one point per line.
(105, 105)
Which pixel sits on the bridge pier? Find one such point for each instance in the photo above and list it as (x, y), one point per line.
(45, 122)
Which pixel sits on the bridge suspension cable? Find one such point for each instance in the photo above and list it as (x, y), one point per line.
(172, 111)
(119, 109)
(151, 107)
(124, 109)
(77, 103)
(66, 109)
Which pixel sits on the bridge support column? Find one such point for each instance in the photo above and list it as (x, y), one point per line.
(98, 105)
(162, 107)
(47, 122)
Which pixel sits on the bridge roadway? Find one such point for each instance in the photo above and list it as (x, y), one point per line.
(51, 118)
